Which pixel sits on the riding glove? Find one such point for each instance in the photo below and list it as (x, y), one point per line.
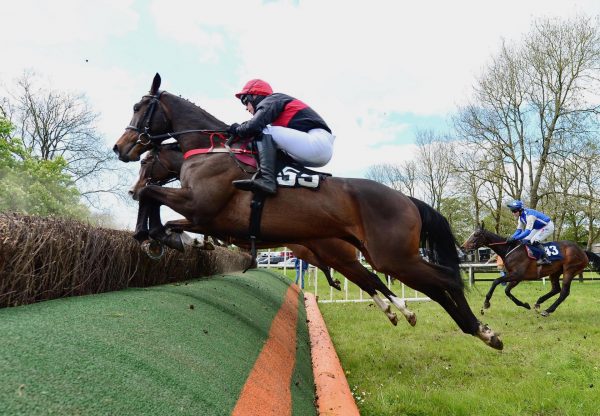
(232, 130)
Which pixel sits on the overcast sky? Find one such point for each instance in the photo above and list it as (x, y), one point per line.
(376, 71)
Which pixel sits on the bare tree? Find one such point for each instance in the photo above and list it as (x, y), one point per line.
(434, 165)
(53, 123)
(530, 94)
(401, 177)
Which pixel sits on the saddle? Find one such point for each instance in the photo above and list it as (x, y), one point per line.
(551, 248)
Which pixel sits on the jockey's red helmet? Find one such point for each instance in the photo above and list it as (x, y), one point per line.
(255, 87)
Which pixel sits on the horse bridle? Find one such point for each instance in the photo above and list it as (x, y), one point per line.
(156, 158)
(144, 136)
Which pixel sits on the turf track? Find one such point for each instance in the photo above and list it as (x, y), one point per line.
(174, 349)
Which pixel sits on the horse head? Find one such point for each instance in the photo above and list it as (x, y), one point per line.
(159, 167)
(149, 119)
(478, 238)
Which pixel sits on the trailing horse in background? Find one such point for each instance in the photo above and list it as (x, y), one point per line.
(383, 224)
(571, 261)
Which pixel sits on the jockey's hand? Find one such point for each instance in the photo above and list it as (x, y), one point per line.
(232, 130)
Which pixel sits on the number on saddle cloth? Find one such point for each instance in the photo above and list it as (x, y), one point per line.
(291, 174)
(552, 251)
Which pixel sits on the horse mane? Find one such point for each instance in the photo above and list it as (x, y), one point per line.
(188, 107)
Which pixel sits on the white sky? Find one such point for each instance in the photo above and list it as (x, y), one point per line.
(376, 71)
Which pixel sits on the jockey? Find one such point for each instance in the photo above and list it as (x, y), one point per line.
(280, 121)
(532, 227)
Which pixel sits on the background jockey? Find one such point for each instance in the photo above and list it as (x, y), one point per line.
(280, 121)
(532, 226)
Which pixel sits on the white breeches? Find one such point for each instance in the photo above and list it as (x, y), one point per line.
(541, 234)
(312, 149)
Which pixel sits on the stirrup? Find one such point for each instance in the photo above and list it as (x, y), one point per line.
(259, 185)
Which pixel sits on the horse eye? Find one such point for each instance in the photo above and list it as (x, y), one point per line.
(136, 107)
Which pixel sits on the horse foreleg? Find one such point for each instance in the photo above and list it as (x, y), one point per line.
(554, 281)
(176, 199)
(512, 297)
(141, 226)
(488, 296)
(564, 292)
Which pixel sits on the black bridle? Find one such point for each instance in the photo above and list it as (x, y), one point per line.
(145, 125)
(156, 158)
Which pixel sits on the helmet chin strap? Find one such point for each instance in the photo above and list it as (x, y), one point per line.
(256, 99)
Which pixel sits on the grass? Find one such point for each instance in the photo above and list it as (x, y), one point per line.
(549, 366)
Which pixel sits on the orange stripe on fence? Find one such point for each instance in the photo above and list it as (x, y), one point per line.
(267, 389)
(333, 393)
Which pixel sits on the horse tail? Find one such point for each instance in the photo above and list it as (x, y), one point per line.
(438, 239)
(594, 261)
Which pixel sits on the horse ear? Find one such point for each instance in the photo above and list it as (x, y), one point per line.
(482, 226)
(155, 84)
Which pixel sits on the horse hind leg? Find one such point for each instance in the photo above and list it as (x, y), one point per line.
(370, 283)
(554, 281)
(399, 303)
(387, 309)
(433, 281)
(564, 293)
(333, 283)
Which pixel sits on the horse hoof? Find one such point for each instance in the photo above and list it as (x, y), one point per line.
(394, 320)
(412, 319)
(489, 337)
(536, 306)
(153, 249)
(545, 313)
(337, 284)
(526, 306)
(486, 305)
(208, 246)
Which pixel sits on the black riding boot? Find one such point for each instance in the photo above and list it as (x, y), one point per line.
(267, 155)
(544, 259)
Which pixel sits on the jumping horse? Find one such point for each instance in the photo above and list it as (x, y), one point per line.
(520, 266)
(162, 165)
(384, 225)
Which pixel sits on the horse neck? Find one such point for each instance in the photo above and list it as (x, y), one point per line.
(185, 115)
(172, 159)
(495, 243)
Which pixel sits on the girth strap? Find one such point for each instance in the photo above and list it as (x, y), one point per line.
(256, 207)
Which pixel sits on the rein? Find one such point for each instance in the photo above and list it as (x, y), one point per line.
(144, 136)
(504, 242)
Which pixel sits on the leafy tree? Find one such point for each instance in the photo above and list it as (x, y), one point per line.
(32, 185)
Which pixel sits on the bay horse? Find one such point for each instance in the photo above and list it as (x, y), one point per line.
(383, 224)
(519, 266)
(163, 164)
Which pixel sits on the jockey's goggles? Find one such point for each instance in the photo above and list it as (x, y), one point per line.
(244, 99)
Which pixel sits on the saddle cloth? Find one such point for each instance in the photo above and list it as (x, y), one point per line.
(551, 248)
(291, 174)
